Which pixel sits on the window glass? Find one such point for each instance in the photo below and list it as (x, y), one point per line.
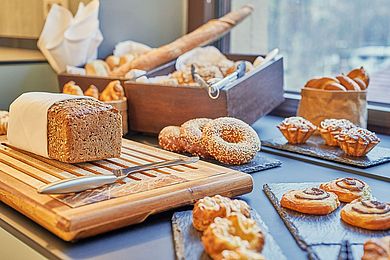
(321, 38)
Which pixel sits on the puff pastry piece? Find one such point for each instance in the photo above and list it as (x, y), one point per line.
(230, 233)
(367, 214)
(348, 189)
(207, 209)
(312, 201)
(239, 254)
(377, 249)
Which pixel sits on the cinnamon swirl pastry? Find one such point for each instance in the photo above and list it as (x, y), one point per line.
(377, 249)
(296, 129)
(310, 201)
(368, 214)
(231, 233)
(348, 189)
(207, 209)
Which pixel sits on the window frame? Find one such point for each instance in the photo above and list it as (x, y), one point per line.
(201, 11)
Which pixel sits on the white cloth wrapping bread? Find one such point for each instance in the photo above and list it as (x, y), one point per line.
(71, 40)
(27, 125)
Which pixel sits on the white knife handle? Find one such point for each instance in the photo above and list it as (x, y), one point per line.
(77, 184)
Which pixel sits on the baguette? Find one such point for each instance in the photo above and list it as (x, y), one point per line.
(207, 33)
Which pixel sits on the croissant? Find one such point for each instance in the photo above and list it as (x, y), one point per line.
(92, 91)
(113, 91)
(71, 88)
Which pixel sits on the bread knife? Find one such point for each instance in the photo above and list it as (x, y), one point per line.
(91, 182)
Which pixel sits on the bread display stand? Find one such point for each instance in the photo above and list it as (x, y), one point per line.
(152, 106)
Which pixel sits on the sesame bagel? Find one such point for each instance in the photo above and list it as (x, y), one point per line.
(191, 134)
(169, 139)
(230, 140)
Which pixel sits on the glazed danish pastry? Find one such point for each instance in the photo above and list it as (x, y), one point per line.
(368, 214)
(310, 201)
(207, 209)
(296, 129)
(377, 249)
(230, 233)
(348, 189)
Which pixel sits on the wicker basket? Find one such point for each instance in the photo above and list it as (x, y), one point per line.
(121, 105)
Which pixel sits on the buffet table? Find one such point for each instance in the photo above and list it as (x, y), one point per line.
(153, 238)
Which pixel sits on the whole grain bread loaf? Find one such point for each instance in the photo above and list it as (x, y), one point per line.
(81, 130)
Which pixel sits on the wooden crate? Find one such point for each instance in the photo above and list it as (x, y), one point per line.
(152, 107)
(85, 214)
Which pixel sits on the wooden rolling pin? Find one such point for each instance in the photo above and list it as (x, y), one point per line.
(209, 32)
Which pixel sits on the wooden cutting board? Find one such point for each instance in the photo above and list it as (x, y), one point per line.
(88, 213)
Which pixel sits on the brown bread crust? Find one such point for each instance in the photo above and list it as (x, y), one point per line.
(81, 130)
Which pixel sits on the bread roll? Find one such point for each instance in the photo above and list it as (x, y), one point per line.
(97, 68)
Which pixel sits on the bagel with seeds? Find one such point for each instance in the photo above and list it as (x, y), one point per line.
(230, 140)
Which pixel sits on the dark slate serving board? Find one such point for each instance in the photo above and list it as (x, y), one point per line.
(259, 163)
(189, 247)
(332, 252)
(315, 147)
(311, 231)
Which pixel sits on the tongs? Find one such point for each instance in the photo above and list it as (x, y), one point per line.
(213, 88)
(91, 182)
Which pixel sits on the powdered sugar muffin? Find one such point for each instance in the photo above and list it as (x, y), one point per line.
(331, 128)
(357, 141)
(296, 129)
